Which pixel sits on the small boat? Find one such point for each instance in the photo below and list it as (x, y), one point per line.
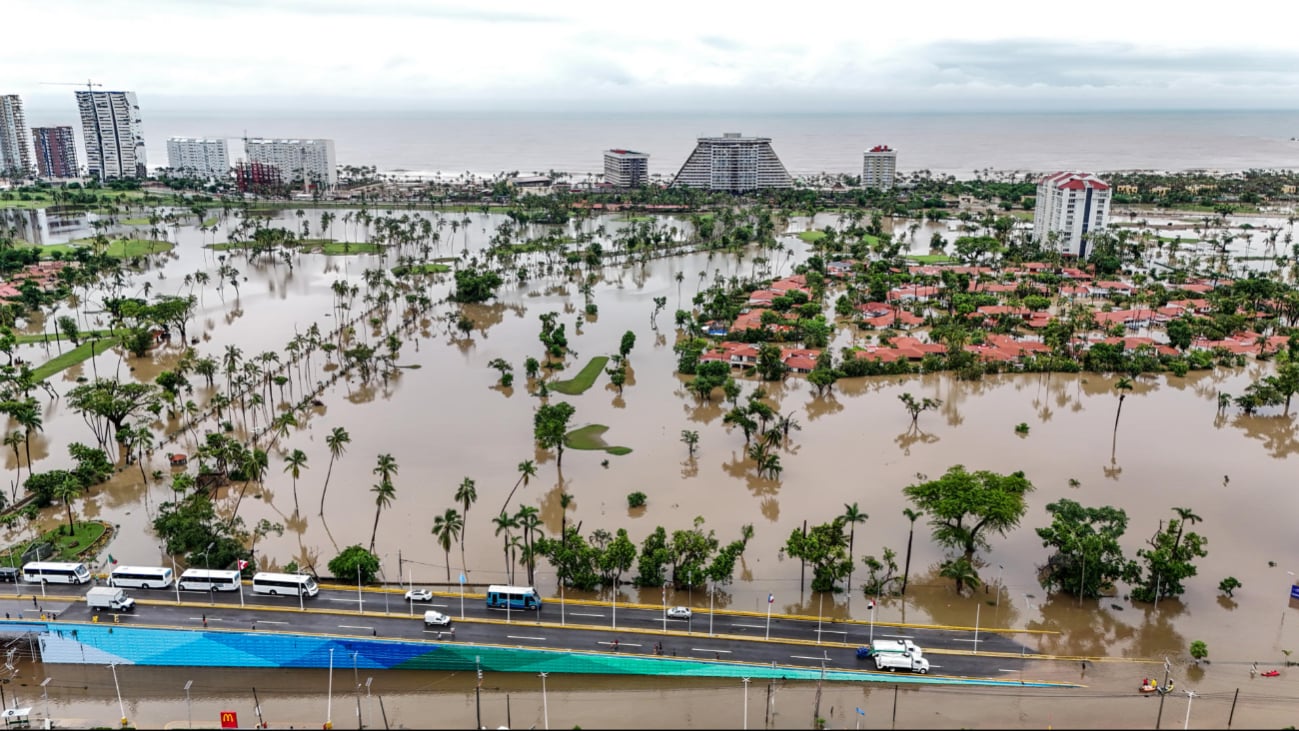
(1271, 673)
(1150, 686)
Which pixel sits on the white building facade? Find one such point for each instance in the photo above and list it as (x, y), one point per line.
(114, 134)
(199, 157)
(626, 168)
(879, 166)
(733, 163)
(1070, 206)
(17, 156)
(307, 161)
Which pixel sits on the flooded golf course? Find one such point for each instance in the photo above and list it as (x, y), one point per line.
(442, 416)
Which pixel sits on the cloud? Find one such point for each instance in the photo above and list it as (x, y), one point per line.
(366, 8)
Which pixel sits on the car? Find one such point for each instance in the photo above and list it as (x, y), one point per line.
(436, 619)
(9, 574)
(419, 595)
(679, 612)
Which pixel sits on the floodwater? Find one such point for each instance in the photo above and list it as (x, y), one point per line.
(446, 419)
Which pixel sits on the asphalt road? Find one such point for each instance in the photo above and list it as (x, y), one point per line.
(583, 626)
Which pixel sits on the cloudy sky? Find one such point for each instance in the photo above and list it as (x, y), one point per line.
(813, 55)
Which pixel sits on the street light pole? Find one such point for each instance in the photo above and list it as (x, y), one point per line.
(189, 713)
(1189, 697)
(746, 703)
(1000, 586)
(360, 600)
(45, 694)
(329, 703)
(207, 562)
(545, 709)
(120, 705)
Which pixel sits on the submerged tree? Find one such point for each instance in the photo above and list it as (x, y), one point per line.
(1087, 557)
(1170, 558)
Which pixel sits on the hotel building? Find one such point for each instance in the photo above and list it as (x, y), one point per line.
(879, 165)
(626, 168)
(733, 163)
(1072, 205)
(114, 134)
(16, 155)
(306, 161)
(56, 152)
(199, 157)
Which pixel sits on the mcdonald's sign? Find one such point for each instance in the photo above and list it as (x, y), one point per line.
(229, 719)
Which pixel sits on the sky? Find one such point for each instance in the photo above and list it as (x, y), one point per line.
(664, 55)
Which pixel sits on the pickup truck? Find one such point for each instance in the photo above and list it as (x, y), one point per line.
(107, 597)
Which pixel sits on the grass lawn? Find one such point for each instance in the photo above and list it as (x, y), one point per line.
(812, 237)
(583, 380)
(639, 219)
(41, 203)
(71, 357)
(137, 221)
(929, 258)
(119, 248)
(342, 248)
(209, 222)
(592, 437)
(421, 269)
(42, 337)
(66, 548)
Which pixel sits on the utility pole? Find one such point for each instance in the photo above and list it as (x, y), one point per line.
(816, 710)
(1233, 707)
(1162, 695)
(746, 703)
(478, 699)
(257, 706)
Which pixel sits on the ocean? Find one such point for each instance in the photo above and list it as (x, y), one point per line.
(950, 144)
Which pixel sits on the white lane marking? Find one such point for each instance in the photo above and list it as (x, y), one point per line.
(805, 657)
(210, 619)
(583, 614)
(620, 644)
(751, 626)
(965, 639)
(709, 649)
(352, 626)
(267, 621)
(1000, 670)
(537, 639)
(901, 637)
(832, 631)
(419, 604)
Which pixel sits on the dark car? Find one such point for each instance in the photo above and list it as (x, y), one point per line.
(9, 574)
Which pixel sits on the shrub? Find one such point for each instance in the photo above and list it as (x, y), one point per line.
(636, 500)
(1021, 428)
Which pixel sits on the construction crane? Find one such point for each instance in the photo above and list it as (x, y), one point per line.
(89, 84)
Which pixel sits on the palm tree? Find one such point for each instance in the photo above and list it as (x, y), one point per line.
(527, 470)
(1122, 386)
(384, 494)
(14, 439)
(66, 491)
(962, 572)
(529, 520)
(294, 464)
(852, 515)
(504, 524)
(466, 495)
(1187, 516)
(337, 440)
(448, 527)
(912, 515)
(252, 462)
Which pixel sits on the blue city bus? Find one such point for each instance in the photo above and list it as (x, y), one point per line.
(512, 597)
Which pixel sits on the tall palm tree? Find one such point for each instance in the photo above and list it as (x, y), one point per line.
(1187, 516)
(294, 464)
(14, 439)
(337, 440)
(1123, 386)
(67, 490)
(504, 524)
(252, 463)
(447, 527)
(529, 521)
(852, 515)
(466, 495)
(385, 467)
(913, 516)
(384, 494)
(527, 470)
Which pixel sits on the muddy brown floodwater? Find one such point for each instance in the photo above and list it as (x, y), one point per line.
(443, 418)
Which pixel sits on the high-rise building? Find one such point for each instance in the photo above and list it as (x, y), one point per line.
(878, 166)
(1069, 207)
(199, 157)
(16, 154)
(733, 163)
(308, 161)
(256, 177)
(56, 152)
(626, 168)
(114, 133)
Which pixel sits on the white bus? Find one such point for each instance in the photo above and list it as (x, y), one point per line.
(53, 572)
(513, 597)
(140, 577)
(209, 580)
(291, 584)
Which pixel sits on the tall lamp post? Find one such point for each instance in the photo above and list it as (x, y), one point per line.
(189, 713)
(45, 695)
(329, 702)
(207, 563)
(545, 709)
(120, 705)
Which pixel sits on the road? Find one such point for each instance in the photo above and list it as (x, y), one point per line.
(737, 636)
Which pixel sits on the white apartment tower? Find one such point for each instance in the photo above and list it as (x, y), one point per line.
(733, 163)
(198, 156)
(308, 161)
(879, 165)
(17, 156)
(1072, 205)
(626, 168)
(114, 134)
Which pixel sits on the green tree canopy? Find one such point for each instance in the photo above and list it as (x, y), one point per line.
(344, 566)
(964, 507)
(1086, 556)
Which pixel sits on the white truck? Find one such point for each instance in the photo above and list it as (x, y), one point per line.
(895, 647)
(904, 660)
(110, 598)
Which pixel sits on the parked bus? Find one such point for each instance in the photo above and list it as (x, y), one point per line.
(513, 597)
(57, 573)
(209, 580)
(140, 577)
(292, 584)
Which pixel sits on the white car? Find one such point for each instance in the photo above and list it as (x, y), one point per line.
(679, 613)
(419, 595)
(436, 619)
